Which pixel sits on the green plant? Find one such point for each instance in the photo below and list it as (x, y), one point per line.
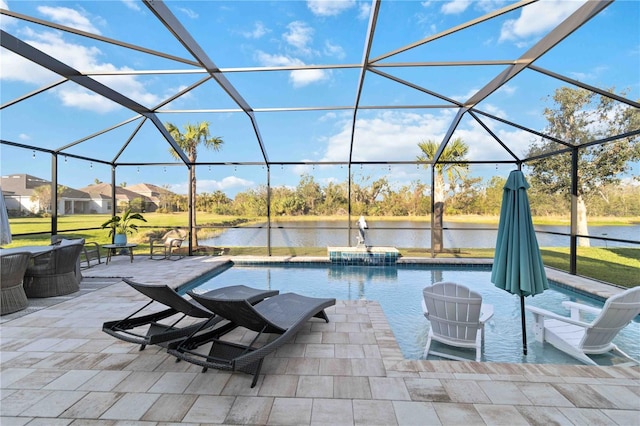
(123, 224)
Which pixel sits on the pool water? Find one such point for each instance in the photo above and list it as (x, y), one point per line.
(399, 292)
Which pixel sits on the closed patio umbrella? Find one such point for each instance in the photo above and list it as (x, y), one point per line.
(5, 231)
(517, 263)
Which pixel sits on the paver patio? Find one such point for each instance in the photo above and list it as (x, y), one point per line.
(59, 368)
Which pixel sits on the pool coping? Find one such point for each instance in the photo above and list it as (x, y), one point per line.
(582, 285)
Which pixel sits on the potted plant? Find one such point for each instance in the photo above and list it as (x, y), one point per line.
(121, 226)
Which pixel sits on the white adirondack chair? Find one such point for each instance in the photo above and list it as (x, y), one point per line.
(457, 316)
(578, 338)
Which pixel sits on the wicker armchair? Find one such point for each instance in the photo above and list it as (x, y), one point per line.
(54, 273)
(90, 252)
(12, 268)
(167, 246)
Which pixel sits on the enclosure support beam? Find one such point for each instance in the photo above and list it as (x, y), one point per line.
(268, 211)
(559, 33)
(573, 239)
(114, 205)
(36, 56)
(54, 193)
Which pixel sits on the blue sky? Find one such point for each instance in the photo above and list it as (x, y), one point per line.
(240, 36)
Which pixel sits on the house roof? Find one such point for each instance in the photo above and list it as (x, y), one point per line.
(148, 189)
(22, 184)
(103, 190)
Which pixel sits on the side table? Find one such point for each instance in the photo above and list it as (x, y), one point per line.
(113, 247)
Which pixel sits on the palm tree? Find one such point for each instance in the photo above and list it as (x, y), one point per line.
(193, 136)
(456, 150)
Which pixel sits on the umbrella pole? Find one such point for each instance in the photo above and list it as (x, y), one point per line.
(524, 326)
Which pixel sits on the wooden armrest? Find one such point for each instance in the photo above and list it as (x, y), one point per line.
(174, 242)
(486, 312)
(576, 308)
(548, 314)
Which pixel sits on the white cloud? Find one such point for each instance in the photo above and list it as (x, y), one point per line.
(364, 11)
(300, 35)
(466, 96)
(258, 31)
(7, 22)
(455, 7)
(373, 136)
(131, 4)
(488, 5)
(394, 136)
(591, 75)
(24, 137)
(536, 19)
(328, 116)
(333, 50)
(269, 60)
(68, 17)
(300, 169)
(298, 78)
(301, 78)
(492, 109)
(84, 99)
(329, 7)
(189, 12)
(80, 57)
(17, 68)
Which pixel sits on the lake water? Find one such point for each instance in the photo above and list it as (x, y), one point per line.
(399, 292)
(404, 234)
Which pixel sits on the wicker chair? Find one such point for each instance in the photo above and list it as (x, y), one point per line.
(168, 246)
(54, 273)
(91, 250)
(12, 269)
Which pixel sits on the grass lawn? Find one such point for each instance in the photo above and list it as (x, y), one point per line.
(620, 266)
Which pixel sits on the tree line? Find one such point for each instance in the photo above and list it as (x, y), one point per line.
(470, 196)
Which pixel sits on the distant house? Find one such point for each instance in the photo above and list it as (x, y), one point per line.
(153, 193)
(18, 191)
(101, 197)
(73, 201)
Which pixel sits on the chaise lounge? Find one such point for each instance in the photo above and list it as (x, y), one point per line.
(282, 315)
(147, 329)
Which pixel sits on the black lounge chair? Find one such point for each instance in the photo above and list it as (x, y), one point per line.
(283, 314)
(131, 329)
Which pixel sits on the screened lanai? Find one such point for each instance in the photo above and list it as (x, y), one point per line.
(321, 108)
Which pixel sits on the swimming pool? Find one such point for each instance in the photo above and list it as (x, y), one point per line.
(399, 292)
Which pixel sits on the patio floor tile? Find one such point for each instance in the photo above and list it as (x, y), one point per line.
(372, 412)
(209, 409)
(415, 413)
(290, 411)
(58, 367)
(332, 412)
